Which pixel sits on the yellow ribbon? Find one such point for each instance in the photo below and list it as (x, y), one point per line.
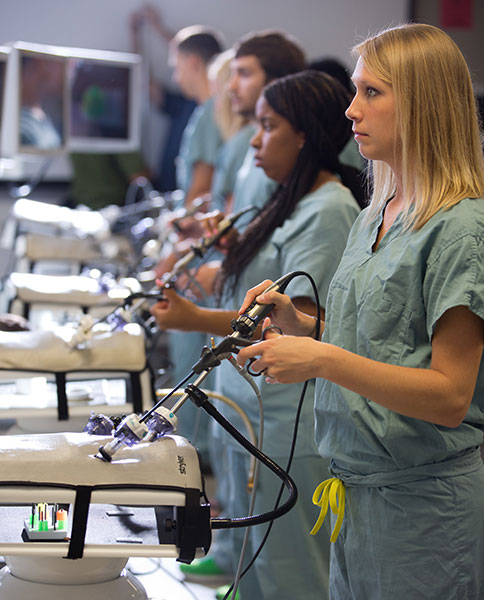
(326, 494)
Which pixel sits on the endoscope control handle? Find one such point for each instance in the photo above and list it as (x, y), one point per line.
(247, 323)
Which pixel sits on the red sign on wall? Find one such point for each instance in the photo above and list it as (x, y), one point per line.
(456, 13)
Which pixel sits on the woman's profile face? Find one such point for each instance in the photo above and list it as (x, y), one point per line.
(276, 142)
(373, 114)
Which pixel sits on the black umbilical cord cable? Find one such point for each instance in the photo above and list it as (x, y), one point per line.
(317, 336)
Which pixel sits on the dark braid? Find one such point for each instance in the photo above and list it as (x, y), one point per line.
(314, 103)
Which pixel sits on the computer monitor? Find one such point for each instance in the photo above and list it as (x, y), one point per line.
(60, 99)
(104, 91)
(35, 101)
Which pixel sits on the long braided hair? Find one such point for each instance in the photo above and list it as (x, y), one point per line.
(314, 103)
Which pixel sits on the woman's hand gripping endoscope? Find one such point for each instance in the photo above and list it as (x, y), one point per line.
(244, 328)
(160, 421)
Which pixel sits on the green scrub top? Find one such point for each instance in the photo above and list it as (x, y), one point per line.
(384, 305)
(312, 239)
(200, 142)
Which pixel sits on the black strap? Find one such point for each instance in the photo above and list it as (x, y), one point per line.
(79, 523)
(189, 533)
(165, 524)
(136, 392)
(62, 408)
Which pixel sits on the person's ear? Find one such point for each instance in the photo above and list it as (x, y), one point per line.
(301, 137)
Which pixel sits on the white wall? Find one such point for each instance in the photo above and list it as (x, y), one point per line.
(324, 27)
(468, 40)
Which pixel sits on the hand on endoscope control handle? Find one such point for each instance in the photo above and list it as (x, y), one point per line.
(187, 221)
(211, 222)
(205, 277)
(188, 228)
(166, 265)
(175, 312)
(284, 314)
(283, 358)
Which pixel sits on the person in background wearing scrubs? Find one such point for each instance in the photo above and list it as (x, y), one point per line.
(191, 51)
(400, 389)
(301, 130)
(174, 106)
(260, 58)
(238, 183)
(194, 424)
(234, 130)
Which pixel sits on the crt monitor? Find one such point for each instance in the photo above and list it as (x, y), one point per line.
(60, 99)
(104, 102)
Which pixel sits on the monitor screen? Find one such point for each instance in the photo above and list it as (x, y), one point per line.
(42, 97)
(99, 100)
(104, 102)
(60, 99)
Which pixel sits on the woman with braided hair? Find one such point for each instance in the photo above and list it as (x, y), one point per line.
(304, 226)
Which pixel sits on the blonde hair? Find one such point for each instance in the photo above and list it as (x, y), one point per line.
(436, 121)
(227, 121)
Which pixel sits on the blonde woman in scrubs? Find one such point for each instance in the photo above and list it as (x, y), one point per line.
(400, 388)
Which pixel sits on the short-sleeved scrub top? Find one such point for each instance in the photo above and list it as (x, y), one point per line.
(200, 142)
(384, 305)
